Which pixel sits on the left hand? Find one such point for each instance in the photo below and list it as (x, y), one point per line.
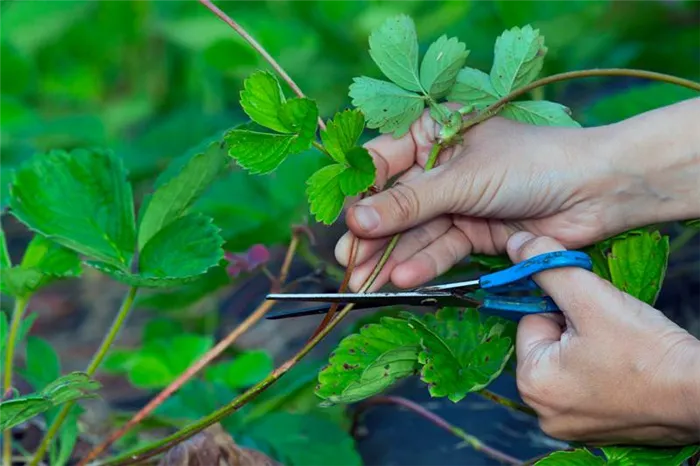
(611, 369)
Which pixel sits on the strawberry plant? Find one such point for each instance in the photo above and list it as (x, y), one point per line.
(173, 246)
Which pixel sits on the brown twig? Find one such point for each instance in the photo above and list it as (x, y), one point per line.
(212, 354)
(258, 48)
(510, 404)
(470, 440)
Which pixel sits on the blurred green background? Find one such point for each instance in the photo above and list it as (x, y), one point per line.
(151, 79)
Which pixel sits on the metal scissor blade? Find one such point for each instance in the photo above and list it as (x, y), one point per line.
(406, 298)
(312, 311)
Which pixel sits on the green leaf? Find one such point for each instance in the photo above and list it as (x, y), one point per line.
(367, 363)
(305, 440)
(638, 264)
(491, 262)
(394, 48)
(262, 98)
(177, 254)
(518, 58)
(160, 328)
(87, 206)
(176, 192)
(639, 456)
(74, 386)
(42, 365)
(300, 116)
(186, 295)
(441, 64)
(578, 457)
(385, 105)
(342, 133)
(244, 371)
(67, 438)
(461, 353)
(539, 112)
(695, 223)
(360, 173)
(473, 87)
(5, 262)
(324, 193)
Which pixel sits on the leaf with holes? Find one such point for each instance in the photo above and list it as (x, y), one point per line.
(441, 64)
(640, 456)
(638, 262)
(366, 363)
(385, 105)
(179, 253)
(87, 206)
(262, 98)
(578, 457)
(460, 352)
(360, 172)
(540, 113)
(179, 187)
(518, 58)
(325, 196)
(394, 48)
(342, 133)
(473, 87)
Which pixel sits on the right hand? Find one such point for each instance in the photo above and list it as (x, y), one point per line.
(505, 177)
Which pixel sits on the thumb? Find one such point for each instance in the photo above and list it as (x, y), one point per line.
(407, 204)
(578, 293)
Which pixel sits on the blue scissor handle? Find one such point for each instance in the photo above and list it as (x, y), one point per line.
(518, 277)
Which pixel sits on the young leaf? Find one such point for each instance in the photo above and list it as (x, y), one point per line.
(74, 386)
(87, 206)
(473, 87)
(177, 190)
(342, 133)
(366, 363)
(539, 112)
(385, 105)
(360, 173)
(441, 64)
(43, 365)
(639, 456)
(394, 48)
(518, 58)
(244, 371)
(638, 263)
(325, 196)
(300, 116)
(579, 457)
(177, 254)
(461, 353)
(262, 98)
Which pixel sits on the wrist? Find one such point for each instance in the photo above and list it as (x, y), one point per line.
(651, 166)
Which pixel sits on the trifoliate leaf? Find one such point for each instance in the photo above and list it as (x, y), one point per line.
(366, 363)
(325, 196)
(638, 264)
(461, 353)
(342, 133)
(578, 457)
(261, 152)
(639, 456)
(473, 87)
(74, 386)
(385, 105)
(394, 48)
(80, 199)
(540, 113)
(262, 98)
(177, 189)
(360, 172)
(440, 65)
(518, 58)
(177, 254)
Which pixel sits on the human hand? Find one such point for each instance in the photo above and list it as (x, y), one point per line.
(505, 177)
(611, 369)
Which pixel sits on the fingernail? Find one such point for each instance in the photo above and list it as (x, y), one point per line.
(366, 217)
(516, 241)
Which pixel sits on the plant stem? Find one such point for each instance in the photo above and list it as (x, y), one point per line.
(91, 369)
(258, 48)
(508, 403)
(681, 240)
(492, 109)
(198, 365)
(470, 440)
(17, 313)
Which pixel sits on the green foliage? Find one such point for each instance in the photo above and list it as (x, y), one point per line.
(621, 456)
(539, 112)
(475, 87)
(342, 134)
(440, 66)
(325, 195)
(243, 371)
(394, 48)
(518, 59)
(580, 457)
(74, 386)
(24, 326)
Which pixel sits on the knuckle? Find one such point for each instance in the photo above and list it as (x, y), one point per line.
(405, 201)
(536, 246)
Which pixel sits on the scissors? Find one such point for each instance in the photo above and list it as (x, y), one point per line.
(489, 292)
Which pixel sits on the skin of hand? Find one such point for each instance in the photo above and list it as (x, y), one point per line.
(609, 369)
(576, 185)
